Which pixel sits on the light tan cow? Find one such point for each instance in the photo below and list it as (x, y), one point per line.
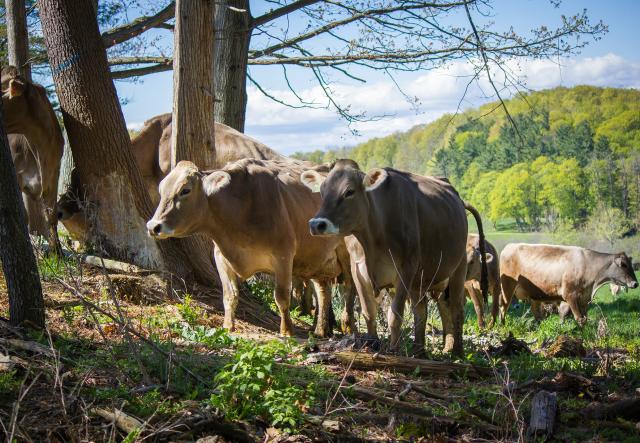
(413, 231)
(36, 152)
(474, 275)
(554, 274)
(255, 211)
(151, 149)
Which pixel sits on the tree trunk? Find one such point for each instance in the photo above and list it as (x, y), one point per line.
(192, 137)
(100, 144)
(233, 35)
(26, 305)
(18, 37)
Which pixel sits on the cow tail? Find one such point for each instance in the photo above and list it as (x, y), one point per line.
(484, 274)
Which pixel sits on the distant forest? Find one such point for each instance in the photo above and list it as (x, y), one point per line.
(573, 157)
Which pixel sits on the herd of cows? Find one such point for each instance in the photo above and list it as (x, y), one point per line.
(302, 222)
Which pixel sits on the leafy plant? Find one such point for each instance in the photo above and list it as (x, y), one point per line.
(253, 386)
(189, 313)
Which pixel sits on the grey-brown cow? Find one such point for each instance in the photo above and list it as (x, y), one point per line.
(553, 274)
(256, 212)
(474, 276)
(413, 231)
(36, 151)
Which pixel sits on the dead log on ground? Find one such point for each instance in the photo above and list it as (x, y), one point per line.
(124, 422)
(543, 415)
(406, 365)
(628, 408)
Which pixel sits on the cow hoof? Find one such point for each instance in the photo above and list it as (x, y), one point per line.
(229, 325)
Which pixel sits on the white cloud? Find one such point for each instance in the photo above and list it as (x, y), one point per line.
(135, 126)
(439, 91)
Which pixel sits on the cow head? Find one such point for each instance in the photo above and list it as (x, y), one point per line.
(474, 263)
(183, 200)
(621, 272)
(14, 92)
(344, 197)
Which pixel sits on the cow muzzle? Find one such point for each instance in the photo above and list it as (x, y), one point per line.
(633, 284)
(157, 229)
(322, 226)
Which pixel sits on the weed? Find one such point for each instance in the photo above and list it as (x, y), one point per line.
(189, 313)
(253, 386)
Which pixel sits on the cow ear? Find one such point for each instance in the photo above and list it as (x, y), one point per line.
(312, 180)
(488, 257)
(16, 88)
(374, 179)
(215, 181)
(618, 260)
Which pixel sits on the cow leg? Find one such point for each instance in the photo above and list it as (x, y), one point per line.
(395, 316)
(572, 301)
(453, 308)
(49, 206)
(536, 310)
(348, 320)
(478, 305)
(368, 301)
(508, 288)
(419, 307)
(323, 291)
(563, 310)
(230, 291)
(495, 303)
(282, 294)
(307, 299)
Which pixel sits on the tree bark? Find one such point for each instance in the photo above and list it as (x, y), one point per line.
(233, 34)
(100, 144)
(543, 415)
(192, 137)
(26, 306)
(18, 37)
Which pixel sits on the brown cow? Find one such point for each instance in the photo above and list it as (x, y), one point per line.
(255, 211)
(553, 274)
(151, 149)
(413, 231)
(474, 271)
(37, 153)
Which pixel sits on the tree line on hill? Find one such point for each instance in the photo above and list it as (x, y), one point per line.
(571, 159)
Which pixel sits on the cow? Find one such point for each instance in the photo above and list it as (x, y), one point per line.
(255, 211)
(474, 274)
(554, 274)
(413, 232)
(36, 152)
(151, 149)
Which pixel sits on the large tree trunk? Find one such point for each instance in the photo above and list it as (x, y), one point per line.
(18, 262)
(100, 143)
(192, 137)
(233, 34)
(18, 37)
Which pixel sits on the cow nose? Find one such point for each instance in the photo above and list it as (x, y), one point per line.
(59, 214)
(317, 226)
(154, 227)
(633, 284)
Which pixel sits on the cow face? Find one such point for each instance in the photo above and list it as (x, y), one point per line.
(474, 262)
(14, 90)
(344, 200)
(621, 271)
(183, 200)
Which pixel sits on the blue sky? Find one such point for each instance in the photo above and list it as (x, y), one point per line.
(612, 61)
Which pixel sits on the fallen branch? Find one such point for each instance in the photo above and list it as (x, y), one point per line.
(628, 408)
(407, 365)
(123, 421)
(25, 345)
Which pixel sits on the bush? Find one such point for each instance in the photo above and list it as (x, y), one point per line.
(253, 386)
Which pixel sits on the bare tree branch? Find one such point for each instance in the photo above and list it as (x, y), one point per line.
(280, 12)
(137, 27)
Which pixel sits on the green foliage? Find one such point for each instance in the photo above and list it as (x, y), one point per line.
(9, 384)
(52, 267)
(607, 223)
(189, 313)
(588, 138)
(253, 386)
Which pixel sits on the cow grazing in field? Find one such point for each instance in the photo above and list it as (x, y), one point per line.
(256, 212)
(474, 276)
(36, 152)
(151, 149)
(413, 232)
(554, 274)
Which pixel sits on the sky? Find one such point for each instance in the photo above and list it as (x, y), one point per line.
(612, 61)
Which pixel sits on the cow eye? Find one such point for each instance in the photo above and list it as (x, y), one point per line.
(184, 192)
(348, 193)
(623, 264)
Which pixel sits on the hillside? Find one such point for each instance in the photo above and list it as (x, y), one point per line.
(571, 150)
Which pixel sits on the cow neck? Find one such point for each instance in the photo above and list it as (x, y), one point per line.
(602, 262)
(371, 236)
